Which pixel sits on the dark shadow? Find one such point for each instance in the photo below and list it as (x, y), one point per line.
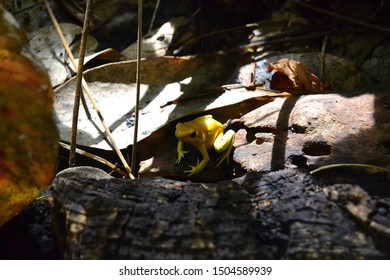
(281, 133)
(27, 236)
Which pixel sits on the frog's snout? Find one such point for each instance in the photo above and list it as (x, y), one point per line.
(178, 133)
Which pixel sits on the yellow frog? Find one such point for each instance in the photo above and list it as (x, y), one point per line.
(203, 133)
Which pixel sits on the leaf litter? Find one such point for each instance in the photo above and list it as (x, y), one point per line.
(163, 79)
(173, 88)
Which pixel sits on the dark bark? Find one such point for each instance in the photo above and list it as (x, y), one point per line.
(152, 219)
(280, 215)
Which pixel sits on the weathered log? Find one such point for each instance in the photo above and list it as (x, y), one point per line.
(152, 219)
(296, 220)
(280, 215)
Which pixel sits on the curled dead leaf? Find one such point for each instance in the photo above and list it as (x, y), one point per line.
(293, 76)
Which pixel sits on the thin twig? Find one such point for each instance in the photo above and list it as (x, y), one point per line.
(193, 40)
(138, 80)
(222, 89)
(322, 58)
(344, 18)
(95, 157)
(379, 8)
(362, 165)
(79, 75)
(88, 91)
(278, 42)
(154, 16)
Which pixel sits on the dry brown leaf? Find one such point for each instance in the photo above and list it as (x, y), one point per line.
(28, 136)
(292, 75)
(247, 75)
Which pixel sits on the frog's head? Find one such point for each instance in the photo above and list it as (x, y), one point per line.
(187, 133)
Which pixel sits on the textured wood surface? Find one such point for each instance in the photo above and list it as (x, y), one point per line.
(280, 215)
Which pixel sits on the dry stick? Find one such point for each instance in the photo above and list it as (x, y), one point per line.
(271, 42)
(154, 16)
(88, 91)
(222, 89)
(344, 18)
(322, 58)
(363, 165)
(95, 157)
(79, 75)
(138, 80)
(379, 8)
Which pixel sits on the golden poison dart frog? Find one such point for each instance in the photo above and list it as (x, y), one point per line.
(204, 133)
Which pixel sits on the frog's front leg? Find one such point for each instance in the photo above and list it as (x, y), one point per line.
(224, 143)
(180, 152)
(199, 166)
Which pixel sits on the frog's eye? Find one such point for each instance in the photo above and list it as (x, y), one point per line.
(194, 134)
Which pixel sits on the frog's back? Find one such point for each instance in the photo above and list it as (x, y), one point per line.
(207, 123)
